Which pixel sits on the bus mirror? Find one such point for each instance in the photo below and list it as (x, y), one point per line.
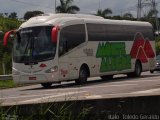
(6, 37)
(54, 34)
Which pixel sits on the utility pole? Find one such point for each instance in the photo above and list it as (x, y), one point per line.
(99, 7)
(156, 14)
(147, 5)
(4, 69)
(139, 8)
(144, 5)
(55, 5)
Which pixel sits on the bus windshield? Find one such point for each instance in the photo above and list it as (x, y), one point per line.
(33, 44)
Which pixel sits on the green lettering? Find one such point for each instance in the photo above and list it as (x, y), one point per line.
(113, 56)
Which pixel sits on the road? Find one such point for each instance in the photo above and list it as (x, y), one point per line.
(95, 88)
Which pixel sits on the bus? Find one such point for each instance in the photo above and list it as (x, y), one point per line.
(52, 48)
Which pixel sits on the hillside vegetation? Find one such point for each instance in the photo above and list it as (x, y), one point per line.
(6, 24)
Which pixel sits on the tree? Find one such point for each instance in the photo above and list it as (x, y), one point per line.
(6, 24)
(117, 17)
(128, 16)
(1, 15)
(30, 14)
(67, 7)
(6, 14)
(104, 13)
(151, 17)
(13, 15)
(151, 14)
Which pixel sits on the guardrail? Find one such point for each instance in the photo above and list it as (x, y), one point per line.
(6, 77)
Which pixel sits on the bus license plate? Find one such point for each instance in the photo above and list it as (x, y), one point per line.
(32, 78)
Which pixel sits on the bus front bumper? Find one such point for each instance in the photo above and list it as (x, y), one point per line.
(33, 79)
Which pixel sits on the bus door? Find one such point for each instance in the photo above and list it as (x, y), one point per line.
(63, 59)
(71, 36)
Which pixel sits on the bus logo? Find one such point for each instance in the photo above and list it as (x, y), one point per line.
(113, 56)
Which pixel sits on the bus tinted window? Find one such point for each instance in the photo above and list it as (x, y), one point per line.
(70, 37)
(109, 32)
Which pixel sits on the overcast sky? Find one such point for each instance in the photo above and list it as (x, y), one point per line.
(119, 7)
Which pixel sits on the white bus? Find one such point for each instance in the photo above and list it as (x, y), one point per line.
(53, 48)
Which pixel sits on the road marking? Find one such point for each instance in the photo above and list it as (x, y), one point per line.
(146, 91)
(50, 97)
(134, 93)
(122, 85)
(93, 96)
(14, 97)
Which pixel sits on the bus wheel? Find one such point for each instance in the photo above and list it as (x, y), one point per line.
(151, 71)
(46, 85)
(138, 69)
(107, 77)
(83, 75)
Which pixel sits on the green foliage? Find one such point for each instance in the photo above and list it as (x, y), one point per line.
(7, 84)
(13, 15)
(67, 7)
(157, 45)
(128, 16)
(46, 111)
(30, 14)
(6, 24)
(104, 13)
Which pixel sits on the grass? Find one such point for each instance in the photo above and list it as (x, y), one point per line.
(6, 84)
(46, 111)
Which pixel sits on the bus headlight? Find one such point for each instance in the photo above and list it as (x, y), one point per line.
(51, 70)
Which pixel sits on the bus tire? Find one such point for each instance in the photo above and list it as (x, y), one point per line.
(151, 71)
(107, 77)
(138, 69)
(83, 75)
(46, 85)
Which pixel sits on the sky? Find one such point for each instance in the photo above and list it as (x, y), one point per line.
(118, 7)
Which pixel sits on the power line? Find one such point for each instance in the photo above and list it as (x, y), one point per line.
(152, 4)
(131, 8)
(149, 4)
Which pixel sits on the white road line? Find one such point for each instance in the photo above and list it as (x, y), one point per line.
(135, 93)
(146, 91)
(93, 96)
(140, 80)
(14, 97)
(50, 97)
(123, 85)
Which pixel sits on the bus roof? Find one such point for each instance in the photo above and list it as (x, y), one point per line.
(52, 19)
(118, 22)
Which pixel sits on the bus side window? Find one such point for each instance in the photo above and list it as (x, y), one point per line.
(70, 37)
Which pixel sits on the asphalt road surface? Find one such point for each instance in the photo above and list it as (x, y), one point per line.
(95, 88)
